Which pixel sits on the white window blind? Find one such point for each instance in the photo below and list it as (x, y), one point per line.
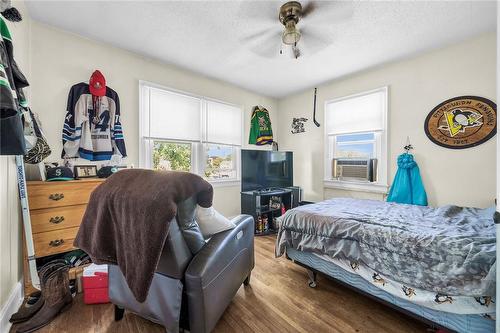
(223, 124)
(184, 132)
(363, 113)
(174, 116)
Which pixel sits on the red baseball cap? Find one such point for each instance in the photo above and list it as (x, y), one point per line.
(97, 84)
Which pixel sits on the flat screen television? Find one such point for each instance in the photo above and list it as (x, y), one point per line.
(262, 169)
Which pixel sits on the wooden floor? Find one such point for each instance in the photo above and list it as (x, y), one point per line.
(277, 300)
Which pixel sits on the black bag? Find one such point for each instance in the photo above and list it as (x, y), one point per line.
(38, 153)
(11, 133)
(40, 150)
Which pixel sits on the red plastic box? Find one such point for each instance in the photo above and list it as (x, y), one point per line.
(95, 288)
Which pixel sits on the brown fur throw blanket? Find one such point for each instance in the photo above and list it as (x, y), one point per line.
(128, 217)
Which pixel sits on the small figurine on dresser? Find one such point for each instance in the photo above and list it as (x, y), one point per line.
(92, 128)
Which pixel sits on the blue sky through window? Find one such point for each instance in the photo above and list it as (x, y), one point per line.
(355, 145)
(364, 150)
(356, 137)
(219, 151)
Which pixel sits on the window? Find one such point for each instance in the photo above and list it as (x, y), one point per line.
(220, 162)
(184, 132)
(355, 128)
(355, 146)
(171, 156)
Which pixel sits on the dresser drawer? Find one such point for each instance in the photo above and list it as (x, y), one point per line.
(60, 194)
(43, 220)
(53, 242)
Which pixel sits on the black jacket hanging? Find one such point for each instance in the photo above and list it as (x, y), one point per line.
(12, 81)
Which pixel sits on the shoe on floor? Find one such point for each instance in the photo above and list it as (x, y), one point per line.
(57, 297)
(26, 311)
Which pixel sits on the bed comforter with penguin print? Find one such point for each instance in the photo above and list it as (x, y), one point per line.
(449, 250)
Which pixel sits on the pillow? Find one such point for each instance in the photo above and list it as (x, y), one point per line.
(489, 212)
(211, 221)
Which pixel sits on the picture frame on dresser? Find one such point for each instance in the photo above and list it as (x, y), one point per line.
(85, 171)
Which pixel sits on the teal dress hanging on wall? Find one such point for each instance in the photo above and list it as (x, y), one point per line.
(407, 186)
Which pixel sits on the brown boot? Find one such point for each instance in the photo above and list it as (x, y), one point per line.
(57, 299)
(25, 312)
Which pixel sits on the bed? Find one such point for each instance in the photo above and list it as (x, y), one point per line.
(437, 264)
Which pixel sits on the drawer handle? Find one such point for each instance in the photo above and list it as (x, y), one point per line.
(56, 243)
(57, 219)
(56, 196)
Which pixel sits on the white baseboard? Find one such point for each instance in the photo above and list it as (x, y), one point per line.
(13, 303)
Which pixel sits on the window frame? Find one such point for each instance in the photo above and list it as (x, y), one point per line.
(198, 163)
(381, 148)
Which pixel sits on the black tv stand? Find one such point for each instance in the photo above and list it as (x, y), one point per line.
(257, 204)
(269, 190)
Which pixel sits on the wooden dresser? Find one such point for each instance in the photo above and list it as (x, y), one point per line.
(56, 211)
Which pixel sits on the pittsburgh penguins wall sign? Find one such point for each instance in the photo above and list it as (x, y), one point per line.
(462, 122)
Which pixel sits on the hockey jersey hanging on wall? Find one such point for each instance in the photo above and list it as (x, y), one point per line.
(92, 128)
(261, 132)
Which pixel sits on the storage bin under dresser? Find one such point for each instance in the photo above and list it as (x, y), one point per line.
(56, 211)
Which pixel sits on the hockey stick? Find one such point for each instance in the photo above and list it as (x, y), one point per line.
(314, 110)
(28, 236)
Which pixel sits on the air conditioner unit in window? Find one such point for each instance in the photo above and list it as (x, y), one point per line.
(354, 169)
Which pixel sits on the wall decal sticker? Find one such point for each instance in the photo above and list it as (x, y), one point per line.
(298, 125)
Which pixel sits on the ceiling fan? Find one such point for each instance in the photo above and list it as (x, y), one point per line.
(290, 15)
(300, 30)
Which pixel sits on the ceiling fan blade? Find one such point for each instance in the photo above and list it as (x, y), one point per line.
(260, 11)
(328, 12)
(308, 8)
(269, 51)
(254, 37)
(268, 46)
(314, 41)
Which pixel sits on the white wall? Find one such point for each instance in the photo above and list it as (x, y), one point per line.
(464, 177)
(10, 224)
(61, 59)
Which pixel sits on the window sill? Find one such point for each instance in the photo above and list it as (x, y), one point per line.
(225, 183)
(356, 186)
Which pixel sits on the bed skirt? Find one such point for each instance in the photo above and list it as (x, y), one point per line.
(467, 323)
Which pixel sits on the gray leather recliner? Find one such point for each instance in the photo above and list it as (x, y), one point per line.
(195, 280)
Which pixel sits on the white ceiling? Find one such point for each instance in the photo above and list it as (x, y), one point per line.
(205, 37)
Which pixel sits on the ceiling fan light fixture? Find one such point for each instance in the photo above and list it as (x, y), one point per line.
(291, 35)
